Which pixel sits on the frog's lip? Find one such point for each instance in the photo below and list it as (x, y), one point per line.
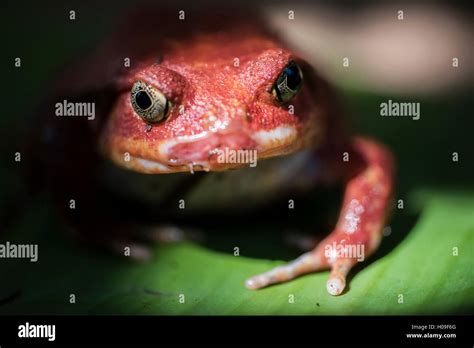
(201, 152)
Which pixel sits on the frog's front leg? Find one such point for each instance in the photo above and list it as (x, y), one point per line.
(359, 227)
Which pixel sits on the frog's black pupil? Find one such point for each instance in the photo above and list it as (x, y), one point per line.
(143, 100)
(293, 77)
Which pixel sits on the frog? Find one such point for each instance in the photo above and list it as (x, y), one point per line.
(189, 96)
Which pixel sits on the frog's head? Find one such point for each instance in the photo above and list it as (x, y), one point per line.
(214, 94)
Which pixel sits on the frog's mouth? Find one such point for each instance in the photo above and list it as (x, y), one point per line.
(207, 151)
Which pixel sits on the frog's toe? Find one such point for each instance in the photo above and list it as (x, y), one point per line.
(335, 286)
(337, 279)
(306, 263)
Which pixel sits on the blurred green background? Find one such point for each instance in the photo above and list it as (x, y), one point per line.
(415, 260)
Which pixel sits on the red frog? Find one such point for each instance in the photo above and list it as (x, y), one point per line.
(195, 90)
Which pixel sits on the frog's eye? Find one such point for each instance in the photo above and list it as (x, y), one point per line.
(288, 83)
(149, 103)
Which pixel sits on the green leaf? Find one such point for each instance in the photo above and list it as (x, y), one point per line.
(421, 267)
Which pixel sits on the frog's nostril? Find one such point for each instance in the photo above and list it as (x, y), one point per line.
(248, 117)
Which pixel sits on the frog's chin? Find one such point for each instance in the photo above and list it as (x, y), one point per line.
(212, 152)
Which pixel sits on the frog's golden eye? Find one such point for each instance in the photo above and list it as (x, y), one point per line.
(288, 83)
(149, 103)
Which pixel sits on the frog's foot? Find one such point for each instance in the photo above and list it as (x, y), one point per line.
(358, 230)
(310, 262)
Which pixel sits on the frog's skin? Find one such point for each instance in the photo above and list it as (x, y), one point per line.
(222, 106)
